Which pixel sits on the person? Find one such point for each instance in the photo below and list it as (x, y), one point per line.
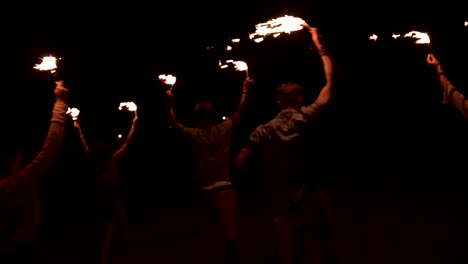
(102, 161)
(20, 216)
(298, 205)
(211, 142)
(451, 93)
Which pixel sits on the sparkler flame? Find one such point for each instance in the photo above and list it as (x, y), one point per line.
(240, 65)
(423, 38)
(276, 26)
(167, 79)
(131, 106)
(373, 37)
(466, 23)
(49, 63)
(73, 112)
(395, 36)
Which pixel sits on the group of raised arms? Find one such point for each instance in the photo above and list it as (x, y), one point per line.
(300, 206)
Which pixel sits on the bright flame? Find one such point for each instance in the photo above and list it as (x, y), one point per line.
(373, 37)
(224, 66)
(395, 36)
(224, 118)
(228, 48)
(131, 106)
(423, 38)
(466, 23)
(285, 24)
(49, 63)
(167, 79)
(73, 112)
(229, 61)
(240, 65)
(236, 40)
(119, 136)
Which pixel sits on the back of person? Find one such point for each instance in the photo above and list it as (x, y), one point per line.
(212, 152)
(283, 157)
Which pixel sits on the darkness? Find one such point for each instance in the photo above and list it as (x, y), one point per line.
(388, 150)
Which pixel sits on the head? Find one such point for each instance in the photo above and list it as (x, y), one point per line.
(205, 113)
(290, 96)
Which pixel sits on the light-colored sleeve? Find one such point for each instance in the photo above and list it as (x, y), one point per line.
(260, 134)
(28, 178)
(452, 95)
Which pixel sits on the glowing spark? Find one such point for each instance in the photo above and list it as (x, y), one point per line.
(240, 65)
(466, 23)
(224, 66)
(228, 48)
(236, 40)
(229, 61)
(395, 36)
(119, 136)
(73, 112)
(130, 106)
(373, 37)
(49, 63)
(167, 79)
(285, 24)
(224, 118)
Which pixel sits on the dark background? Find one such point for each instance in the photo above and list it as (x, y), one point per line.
(388, 131)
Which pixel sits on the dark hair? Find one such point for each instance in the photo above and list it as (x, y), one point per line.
(289, 92)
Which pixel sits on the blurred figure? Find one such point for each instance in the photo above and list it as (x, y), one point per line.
(211, 142)
(20, 216)
(102, 161)
(451, 94)
(300, 207)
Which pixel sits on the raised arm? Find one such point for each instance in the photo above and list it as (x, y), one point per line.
(131, 134)
(170, 111)
(81, 135)
(325, 94)
(28, 178)
(451, 94)
(238, 114)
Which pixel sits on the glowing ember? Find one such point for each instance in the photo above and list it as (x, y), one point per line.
(395, 36)
(119, 136)
(285, 24)
(236, 40)
(167, 79)
(130, 106)
(73, 112)
(224, 118)
(466, 23)
(224, 66)
(373, 37)
(423, 38)
(228, 48)
(49, 63)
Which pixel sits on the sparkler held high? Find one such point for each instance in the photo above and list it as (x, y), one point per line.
(48, 63)
(241, 66)
(275, 27)
(422, 38)
(168, 79)
(129, 106)
(74, 113)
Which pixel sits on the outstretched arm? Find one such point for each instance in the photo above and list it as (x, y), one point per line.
(131, 134)
(325, 94)
(170, 111)
(28, 179)
(81, 135)
(237, 116)
(451, 94)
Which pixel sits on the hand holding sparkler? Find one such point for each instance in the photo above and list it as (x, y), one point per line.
(74, 113)
(129, 106)
(48, 63)
(168, 79)
(62, 94)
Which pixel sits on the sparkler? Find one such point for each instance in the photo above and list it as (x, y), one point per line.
(48, 63)
(130, 106)
(168, 79)
(466, 23)
(241, 66)
(423, 38)
(275, 27)
(74, 113)
(373, 37)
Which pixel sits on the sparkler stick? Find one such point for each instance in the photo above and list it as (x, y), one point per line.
(168, 79)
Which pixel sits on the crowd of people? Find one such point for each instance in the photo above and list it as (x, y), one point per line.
(301, 207)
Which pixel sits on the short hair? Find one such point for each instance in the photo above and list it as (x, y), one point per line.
(289, 93)
(205, 109)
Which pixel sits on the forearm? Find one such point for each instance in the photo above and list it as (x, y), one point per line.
(325, 93)
(29, 177)
(236, 117)
(451, 94)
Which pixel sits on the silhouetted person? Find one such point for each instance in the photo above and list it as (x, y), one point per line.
(20, 216)
(211, 142)
(102, 161)
(451, 94)
(280, 145)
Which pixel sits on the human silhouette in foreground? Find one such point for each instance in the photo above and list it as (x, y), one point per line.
(20, 216)
(211, 142)
(299, 208)
(451, 93)
(102, 161)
